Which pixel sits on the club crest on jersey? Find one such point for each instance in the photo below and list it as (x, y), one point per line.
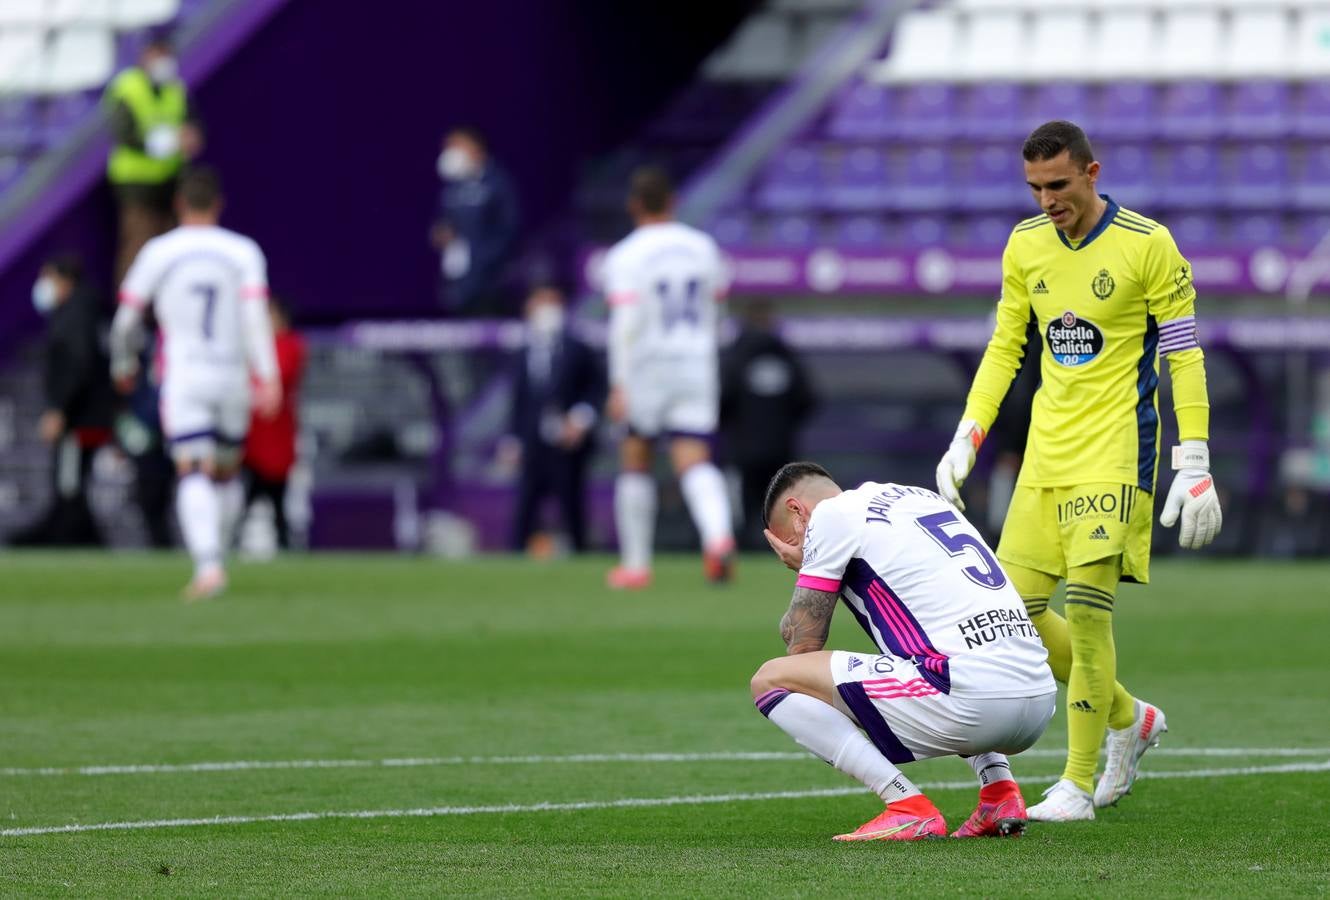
(1103, 285)
(1073, 341)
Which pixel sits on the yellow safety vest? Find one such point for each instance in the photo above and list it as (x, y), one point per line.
(167, 106)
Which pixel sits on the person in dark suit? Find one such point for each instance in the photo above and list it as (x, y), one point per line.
(765, 396)
(559, 390)
(477, 225)
(77, 418)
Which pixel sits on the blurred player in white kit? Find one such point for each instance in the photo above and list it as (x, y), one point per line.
(664, 283)
(208, 289)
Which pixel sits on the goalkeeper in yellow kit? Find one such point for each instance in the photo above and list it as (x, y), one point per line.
(1110, 294)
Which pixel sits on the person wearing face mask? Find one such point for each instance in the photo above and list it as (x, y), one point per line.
(476, 228)
(78, 401)
(153, 133)
(559, 389)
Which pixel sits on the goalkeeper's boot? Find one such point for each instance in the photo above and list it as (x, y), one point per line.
(1063, 802)
(622, 578)
(1124, 749)
(718, 562)
(1000, 813)
(912, 819)
(207, 583)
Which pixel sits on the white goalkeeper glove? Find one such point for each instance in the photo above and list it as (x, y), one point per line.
(1193, 495)
(958, 461)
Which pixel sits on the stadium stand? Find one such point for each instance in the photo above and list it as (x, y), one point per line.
(1221, 104)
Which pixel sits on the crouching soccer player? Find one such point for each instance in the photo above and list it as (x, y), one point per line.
(960, 670)
(1110, 293)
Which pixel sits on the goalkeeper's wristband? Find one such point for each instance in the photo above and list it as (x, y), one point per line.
(1192, 455)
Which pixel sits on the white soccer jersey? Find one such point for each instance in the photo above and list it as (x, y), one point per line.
(207, 287)
(663, 283)
(924, 585)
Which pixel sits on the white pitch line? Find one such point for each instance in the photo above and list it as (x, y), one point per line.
(623, 803)
(247, 765)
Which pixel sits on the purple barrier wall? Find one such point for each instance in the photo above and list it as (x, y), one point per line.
(940, 270)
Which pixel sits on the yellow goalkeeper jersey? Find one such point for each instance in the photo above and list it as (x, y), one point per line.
(1106, 309)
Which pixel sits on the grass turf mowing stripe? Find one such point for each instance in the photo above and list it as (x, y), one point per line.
(244, 765)
(622, 803)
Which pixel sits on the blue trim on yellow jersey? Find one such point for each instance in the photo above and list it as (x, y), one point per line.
(1125, 215)
(1147, 417)
(1130, 227)
(1099, 228)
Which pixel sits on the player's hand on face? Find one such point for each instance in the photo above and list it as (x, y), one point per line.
(267, 398)
(790, 554)
(616, 405)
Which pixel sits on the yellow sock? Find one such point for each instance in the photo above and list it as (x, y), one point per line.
(1035, 588)
(1091, 683)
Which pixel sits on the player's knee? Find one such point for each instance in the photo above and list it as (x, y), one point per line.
(766, 678)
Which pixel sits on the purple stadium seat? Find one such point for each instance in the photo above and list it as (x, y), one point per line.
(987, 232)
(1195, 231)
(860, 182)
(1257, 230)
(1311, 183)
(925, 182)
(1128, 175)
(1190, 177)
(927, 112)
(993, 112)
(865, 112)
(18, 124)
(791, 231)
(731, 228)
(1060, 100)
(1125, 111)
(64, 113)
(867, 232)
(1311, 230)
(793, 180)
(1259, 109)
(1191, 110)
(990, 178)
(922, 231)
(1259, 177)
(1311, 110)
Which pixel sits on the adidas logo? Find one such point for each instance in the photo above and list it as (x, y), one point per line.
(1040, 287)
(1082, 706)
(855, 662)
(1099, 534)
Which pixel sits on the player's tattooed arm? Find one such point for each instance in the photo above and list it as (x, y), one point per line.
(805, 624)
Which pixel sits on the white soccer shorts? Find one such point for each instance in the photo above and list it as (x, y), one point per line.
(677, 400)
(907, 718)
(205, 418)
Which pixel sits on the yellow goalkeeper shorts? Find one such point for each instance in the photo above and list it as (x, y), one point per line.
(1053, 529)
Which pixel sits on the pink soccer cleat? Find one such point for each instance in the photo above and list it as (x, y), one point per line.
(624, 579)
(912, 819)
(1000, 813)
(718, 563)
(206, 584)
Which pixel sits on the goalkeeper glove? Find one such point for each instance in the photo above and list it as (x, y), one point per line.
(958, 461)
(1193, 495)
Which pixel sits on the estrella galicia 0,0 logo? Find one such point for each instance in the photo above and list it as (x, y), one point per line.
(1073, 341)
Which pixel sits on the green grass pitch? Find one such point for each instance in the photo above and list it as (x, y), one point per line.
(466, 670)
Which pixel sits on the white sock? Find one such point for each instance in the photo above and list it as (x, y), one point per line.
(990, 767)
(709, 503)
(199, 511)
(635, 518)
(231, 498)
(830, 736)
